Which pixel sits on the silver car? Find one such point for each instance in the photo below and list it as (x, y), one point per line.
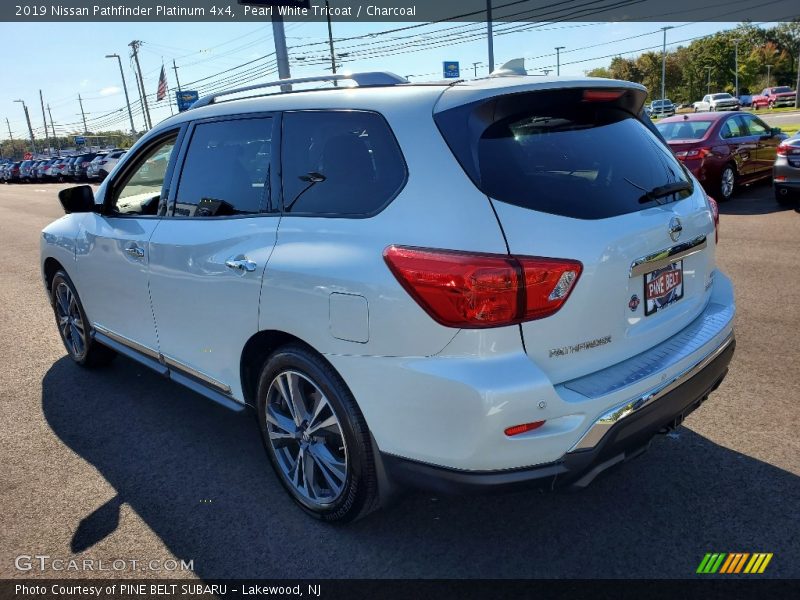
(786, 170)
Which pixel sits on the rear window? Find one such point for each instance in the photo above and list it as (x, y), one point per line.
(684, 130)
(554, 152)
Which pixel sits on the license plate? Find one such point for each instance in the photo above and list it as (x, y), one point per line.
(663, 287)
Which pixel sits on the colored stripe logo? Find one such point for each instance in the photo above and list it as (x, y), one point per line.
(734, 562)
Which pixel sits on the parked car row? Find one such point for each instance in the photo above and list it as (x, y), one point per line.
(727, 149)
(89, 166)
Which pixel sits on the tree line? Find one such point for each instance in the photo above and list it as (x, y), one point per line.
(708, 64)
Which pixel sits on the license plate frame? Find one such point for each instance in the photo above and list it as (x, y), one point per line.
(663, 287)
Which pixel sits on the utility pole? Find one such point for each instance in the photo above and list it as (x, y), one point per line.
(768, 71)
(83, 115)
(53, 128)
(44, 118)
(175, 68)
(10, 135)
(281, 53)
(330, 40)
(736, 67)
(664, 65)
(30, 128)
(125, 88)
(489, 34)
(797, 96)
(135, 46)
(141, 97)
(558, 59)
(708, 86)
(475, 68)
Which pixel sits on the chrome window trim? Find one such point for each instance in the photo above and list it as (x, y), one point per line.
(610, 418)
(666, 257)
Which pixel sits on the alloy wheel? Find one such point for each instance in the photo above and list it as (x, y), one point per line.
(727, 183)
(306, 438)
(70, 323)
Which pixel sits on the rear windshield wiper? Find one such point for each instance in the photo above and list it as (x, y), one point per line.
(666, 190)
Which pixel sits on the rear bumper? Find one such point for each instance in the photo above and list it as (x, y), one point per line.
(617, 436)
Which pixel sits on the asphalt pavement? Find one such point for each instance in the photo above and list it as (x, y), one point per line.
(120, 464)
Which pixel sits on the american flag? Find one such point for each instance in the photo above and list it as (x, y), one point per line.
(162, 85)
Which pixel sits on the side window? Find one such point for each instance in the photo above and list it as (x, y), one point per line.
(226, 171)
(706, 98)
(141, 190)
(756, 126)
(339, 163)
(732, 128)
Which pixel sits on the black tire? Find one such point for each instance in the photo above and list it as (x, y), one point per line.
(82, 348)
(784, 199)
(771, 105)
(358, 495)
(724, 190)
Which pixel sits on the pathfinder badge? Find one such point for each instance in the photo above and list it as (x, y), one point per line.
(634, 303)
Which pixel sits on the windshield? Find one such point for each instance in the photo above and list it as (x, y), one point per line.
(721, 96)
(781, 90)
(684, 130)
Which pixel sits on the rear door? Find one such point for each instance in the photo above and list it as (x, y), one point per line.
(569, 173)
(766, 143)
(208, 257)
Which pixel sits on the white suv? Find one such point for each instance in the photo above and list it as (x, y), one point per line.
(462, 286)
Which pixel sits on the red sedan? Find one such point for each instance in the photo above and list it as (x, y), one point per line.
(722, 150)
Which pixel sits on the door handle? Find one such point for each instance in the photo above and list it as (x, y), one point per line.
(135, 251)
(241, 263)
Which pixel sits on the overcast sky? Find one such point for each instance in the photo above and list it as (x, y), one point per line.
(64, 60)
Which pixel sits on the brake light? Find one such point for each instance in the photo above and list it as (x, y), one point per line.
(601, 95)
(524, 428)
(712, 204)
(694, 154)
(462, 289)
(784, 149)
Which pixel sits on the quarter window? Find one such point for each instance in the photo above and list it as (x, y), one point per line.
(141, 191)
(226, 171)
(339, 163)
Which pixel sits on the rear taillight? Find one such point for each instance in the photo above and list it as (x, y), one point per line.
(461, 289)
(712, 204)
(693, 154)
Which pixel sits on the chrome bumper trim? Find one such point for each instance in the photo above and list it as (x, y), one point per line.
(666, 257)
(601, 426)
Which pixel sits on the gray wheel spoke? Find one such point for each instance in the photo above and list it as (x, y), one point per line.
(329, 462)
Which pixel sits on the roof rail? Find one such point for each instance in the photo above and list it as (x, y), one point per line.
(366, 79)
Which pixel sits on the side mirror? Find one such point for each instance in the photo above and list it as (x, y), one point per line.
(78, 199)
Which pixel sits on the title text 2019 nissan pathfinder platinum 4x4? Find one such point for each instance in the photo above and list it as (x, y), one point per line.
(467, 286)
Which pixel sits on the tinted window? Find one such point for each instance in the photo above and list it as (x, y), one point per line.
(140, 192)
(684, 130)
(756, 126)
(226, 171)
(721, 96)
(343, 163)
(732, 128)
(555, 152)
(781, 90)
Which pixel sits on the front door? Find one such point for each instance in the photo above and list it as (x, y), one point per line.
(113, 248)
(208, 257)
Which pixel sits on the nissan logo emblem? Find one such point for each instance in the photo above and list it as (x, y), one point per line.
(675, 229)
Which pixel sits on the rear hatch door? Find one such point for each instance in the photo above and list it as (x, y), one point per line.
(573, 173)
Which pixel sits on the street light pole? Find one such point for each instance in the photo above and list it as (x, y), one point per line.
(475, 68)
(768, 71)
(83, 115)
(490, 34)
(53, 128)
(664, 64)
(30, 128)
(125, 89)
(736, 66)
(708, 86)
(558, 59)
(330, 41)
(44, 118)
